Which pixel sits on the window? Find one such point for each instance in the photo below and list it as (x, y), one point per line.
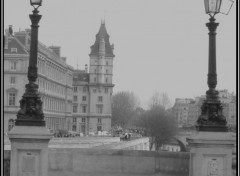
(74, 128)
(106, 90)
(74, 98)
(83, 120)
(106, 62)
(14, 50)
(10, 124)
(84, 89)
(12, 80)
(84, 109)
(95, 79)
(106, 70)
(95, 71)
(11, 99)
(74, 119)
(99, 120)
(75, 89)
(100, 98)
(83, 129)
(75, 108)
(99, 128)
(84, 98)
(13, 65)
(106, 80)
(99, 109)
(94, 90)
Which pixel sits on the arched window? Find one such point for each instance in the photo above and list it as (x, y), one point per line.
(10, 124)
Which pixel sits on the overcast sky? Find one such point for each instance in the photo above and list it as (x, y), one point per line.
(159, 45)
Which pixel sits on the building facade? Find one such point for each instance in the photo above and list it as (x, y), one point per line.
(187, 111)
(93, 87)
(54, 80)
(181, 111)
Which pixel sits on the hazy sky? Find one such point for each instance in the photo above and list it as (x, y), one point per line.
(159, 45)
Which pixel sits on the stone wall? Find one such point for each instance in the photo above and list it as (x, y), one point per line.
(73, 162)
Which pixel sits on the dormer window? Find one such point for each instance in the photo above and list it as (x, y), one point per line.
(13, 65)
(13, 50)
(100, 99)
(12, 80)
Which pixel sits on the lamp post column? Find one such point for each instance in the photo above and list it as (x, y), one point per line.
(29, 137)
(212, 94)
(30, 113)
(211, 118)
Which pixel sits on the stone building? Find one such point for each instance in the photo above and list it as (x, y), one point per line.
(187, 111)
(181, 111)
(54, 80)
(92, 89)
(194, 110)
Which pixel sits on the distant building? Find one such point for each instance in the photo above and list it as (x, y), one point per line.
(92, 89)
(181, 111)
(229, 111)
(194, 111)
(187, 111)
(171, 146)
(54, 80)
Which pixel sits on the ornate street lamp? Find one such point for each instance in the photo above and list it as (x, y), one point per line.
(211, 118)
(30, 113)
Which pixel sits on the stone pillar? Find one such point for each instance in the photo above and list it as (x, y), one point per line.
(211, 154)
(29, 150)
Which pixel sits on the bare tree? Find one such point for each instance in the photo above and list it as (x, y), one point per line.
(159, 99)
(123, 107)
(159, 121)
(159, 125)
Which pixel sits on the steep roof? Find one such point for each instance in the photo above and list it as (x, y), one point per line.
(13, 42)
(102, 33)
(80, 75)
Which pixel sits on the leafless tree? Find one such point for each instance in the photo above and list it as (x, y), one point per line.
(124, 105)
(160, 99)
(159, 121)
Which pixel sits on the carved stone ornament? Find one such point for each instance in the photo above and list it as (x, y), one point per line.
(213, 168)
(31, 112)
(32, 73)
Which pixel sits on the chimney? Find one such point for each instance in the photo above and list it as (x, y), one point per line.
(6, 39)
(86, 68)
(112, 46)
(28, 31)
(55, 49)
(64, 59)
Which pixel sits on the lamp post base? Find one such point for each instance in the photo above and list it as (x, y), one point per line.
(211, 118)
(27, 122)
(212, 128)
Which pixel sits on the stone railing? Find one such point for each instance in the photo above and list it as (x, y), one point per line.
(74, 162)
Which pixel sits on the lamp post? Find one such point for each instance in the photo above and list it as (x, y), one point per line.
(30, 113)
(211, 118)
